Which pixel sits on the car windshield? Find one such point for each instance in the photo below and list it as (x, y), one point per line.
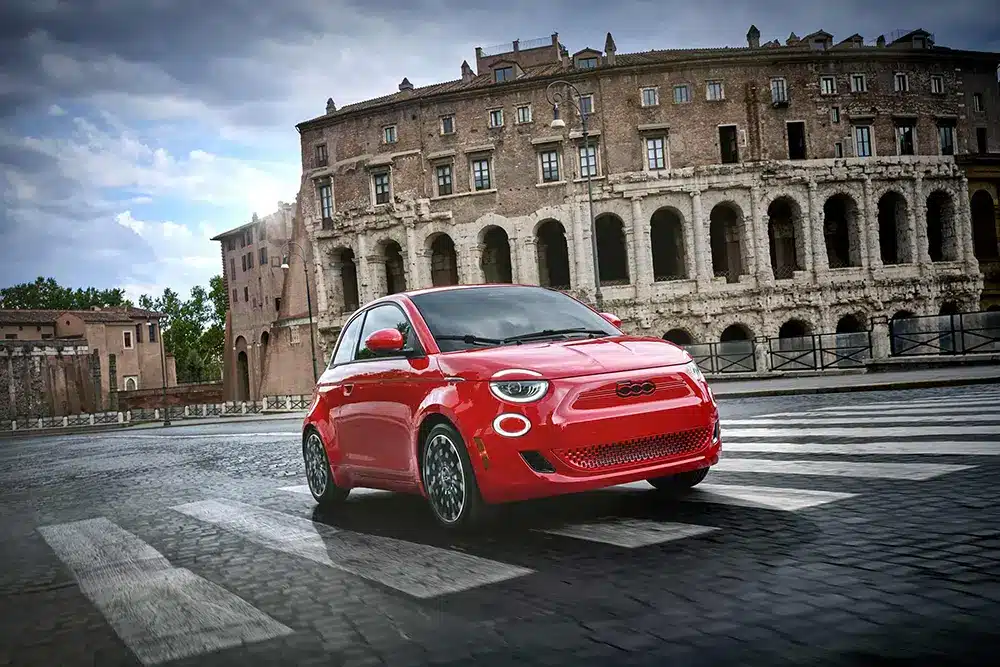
(477, 317)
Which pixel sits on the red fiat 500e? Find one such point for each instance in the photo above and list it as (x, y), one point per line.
(485, 394)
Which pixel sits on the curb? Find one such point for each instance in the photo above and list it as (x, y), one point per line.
(190, 421)
(843, 389)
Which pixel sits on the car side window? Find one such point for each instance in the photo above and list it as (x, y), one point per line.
(386, 316)
(348, 342)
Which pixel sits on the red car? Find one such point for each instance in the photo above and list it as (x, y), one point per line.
(484, 394)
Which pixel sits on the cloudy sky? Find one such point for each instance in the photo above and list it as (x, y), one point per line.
(132, 131)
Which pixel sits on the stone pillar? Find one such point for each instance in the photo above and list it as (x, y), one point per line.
(911, 224)
(583, 278)
(515, 259)
(366, 291)
(963, 210)
(869, 233)
(414, 277)
(528, 269)
(920, 219)
(701, 248)
(880, 337)
(821, 262)
(642, 262)
(318, 279)
(765, 274)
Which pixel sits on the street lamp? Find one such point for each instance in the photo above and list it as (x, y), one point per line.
(305, 272)
(163, 367)
(555, 97)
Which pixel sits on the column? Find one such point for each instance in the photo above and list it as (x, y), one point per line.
(920, 204)
(584, 278)
(821, 262)
(964, 210)
(699, 248)
(911, 224)
(765, 274)
(873, 250)
(414, 278)
(528, 269)
(318, 280)
(750, 239)
(642, 264)
(366, 289)
(513, 242)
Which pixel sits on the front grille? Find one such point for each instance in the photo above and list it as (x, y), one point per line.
(665, 387)
(636, 451)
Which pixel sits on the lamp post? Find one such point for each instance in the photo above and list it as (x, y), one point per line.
(163, 367)
(555, 98)
(305, 272)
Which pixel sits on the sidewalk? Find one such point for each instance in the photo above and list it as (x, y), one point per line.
(923, 378)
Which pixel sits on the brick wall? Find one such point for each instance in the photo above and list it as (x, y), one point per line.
(42, 380)
(188, 394)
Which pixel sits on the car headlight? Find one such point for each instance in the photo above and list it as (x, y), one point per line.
(519, 391)
(691, 368)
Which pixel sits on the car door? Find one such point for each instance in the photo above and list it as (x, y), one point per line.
(335, 387)
(388, 391)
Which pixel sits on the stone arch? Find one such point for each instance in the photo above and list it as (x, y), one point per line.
(942, 227)
(131, 384)
(902, 314)
(679, 336)
(850, 323)
(736, 332)
(984, 225)
(612, 249)
(842, 231)
(728, 242)
(495, 260)
(393, 266)
(444, 259)
(346, 267)
(553, 254)
(666, 242)
(242, 388)
(786, 237)
(893, 228)
(794, 328)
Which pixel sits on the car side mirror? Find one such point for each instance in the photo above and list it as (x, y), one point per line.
(385, 341)
(615, 321)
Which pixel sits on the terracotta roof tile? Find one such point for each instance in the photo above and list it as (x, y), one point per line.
(24, 316)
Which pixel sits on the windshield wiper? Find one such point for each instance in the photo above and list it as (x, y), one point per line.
(471, 339)
(547, 333)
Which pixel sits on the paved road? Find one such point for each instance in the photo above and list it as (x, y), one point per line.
(837, 530)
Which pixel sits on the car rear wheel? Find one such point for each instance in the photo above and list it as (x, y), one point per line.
(680, 481)
(449, 481)
(324, 490)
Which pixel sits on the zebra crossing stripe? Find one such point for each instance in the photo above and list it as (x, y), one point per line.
(867, 421)
(761, 497)
(902, 448)
(630, 533)
(420, 570)
(161, 612)
(862, 431)
(982, 400)
(866, 411)
(907, 471)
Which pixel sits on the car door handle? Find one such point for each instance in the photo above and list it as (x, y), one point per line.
(348, 388)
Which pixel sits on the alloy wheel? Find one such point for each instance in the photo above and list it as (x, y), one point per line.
(444, 478)
(317, 471)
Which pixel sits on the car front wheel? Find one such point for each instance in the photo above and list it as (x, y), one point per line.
(449, 480)
(324, 490)
(679, 482)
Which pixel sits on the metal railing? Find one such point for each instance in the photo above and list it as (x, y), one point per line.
(820, 351)
(729, 357)
(963, 333)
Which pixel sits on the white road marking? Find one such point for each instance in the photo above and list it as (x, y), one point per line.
(161, 612)
(630, 533)
(359, 491)
(863, 431)
(867, 411)
(908, 471)
(419, 570)
(859, 420)
(983, 400)
(937, 447)
(765, 497)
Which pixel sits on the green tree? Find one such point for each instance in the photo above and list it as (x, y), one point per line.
(47, 294)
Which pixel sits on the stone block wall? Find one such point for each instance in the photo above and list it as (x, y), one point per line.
(39, 379)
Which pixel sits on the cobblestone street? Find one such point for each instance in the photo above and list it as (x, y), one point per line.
(847, 529)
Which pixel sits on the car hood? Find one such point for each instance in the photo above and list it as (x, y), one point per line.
(563, 359)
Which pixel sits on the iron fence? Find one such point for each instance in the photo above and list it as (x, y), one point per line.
(820, 351)
(730, 357)
(962, 333)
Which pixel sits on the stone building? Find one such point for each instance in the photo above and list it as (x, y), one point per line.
(47, 355)
(773, 189)
(267, 336)
(983, 171)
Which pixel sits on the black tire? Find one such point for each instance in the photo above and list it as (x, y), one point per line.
(319, 476)
(679, 482)
(443, 452)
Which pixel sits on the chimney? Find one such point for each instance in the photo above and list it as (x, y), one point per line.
(609, 49)
(405, 85)
(880, 42)
(330, 106)
(753, 37)
(467, 73)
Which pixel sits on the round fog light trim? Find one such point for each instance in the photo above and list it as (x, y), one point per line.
(505, 420)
